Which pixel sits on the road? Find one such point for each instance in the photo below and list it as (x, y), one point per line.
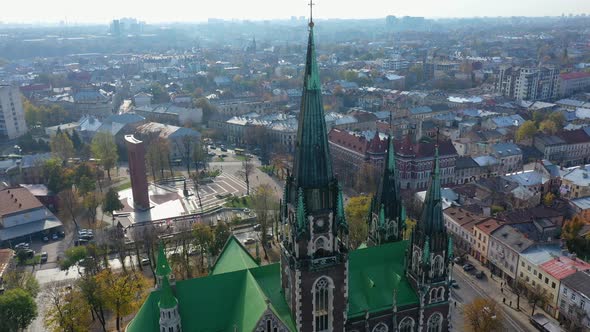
(471, 288)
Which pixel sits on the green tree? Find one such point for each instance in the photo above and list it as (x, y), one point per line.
(111, 202)
(17, 310)
(103, 147)
(21, 279)
(537, 297)
(526, 131)
(203, 239)
(209, 110)
(265, 206)
(356, 212)
(62, 147)
(548, 199)
(558, 118)
(548, 127)
(221, 234)
(159, 94)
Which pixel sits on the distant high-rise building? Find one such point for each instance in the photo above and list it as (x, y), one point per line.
(12, 115)
(116, 28)
(528, 83)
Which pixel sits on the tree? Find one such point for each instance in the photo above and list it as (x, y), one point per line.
(111, 202)
(558, 118)
(221, 234)
(356, 212)
(548, 127)
(548, 199)
(69, 201)
(157, 156)
(208, 110)
(91, 202)
(90, 289)
(123, 292)
(526, 131)
(537, 297)
(76, 141)
(62, 147)
(264, 205)
(575, 318)
(21, 279)
(519, 288)
(17, 310)
(203, 239)
(366, 178)
(245, 172)
(103, 147)
(482, 315)
(67, 310)
(410, 225)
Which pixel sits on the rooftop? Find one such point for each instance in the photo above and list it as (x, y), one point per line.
(563, 266)
(512, 238)
(14, 200)
(578, 281)
(489, 225)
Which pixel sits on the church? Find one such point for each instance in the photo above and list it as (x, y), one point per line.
(320, 284)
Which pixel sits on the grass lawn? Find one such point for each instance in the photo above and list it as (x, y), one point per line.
(122, 186)
(239, 202)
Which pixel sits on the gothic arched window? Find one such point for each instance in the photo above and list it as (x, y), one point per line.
(406, 325)
(435, 323)
(380, 328)
(438, 266)
(320, 246)
(322, 304)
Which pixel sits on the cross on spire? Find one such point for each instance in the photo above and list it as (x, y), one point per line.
(311, 4)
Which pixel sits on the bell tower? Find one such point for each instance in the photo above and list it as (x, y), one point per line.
(428, 259)
(314, 258)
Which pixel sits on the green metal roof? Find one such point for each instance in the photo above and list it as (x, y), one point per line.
(162, 267)
(312, 166)
(374, 273)
(233, 257)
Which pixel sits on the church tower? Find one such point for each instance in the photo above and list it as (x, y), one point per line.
(314, 258)
(428, 259)
(387, 216)
(168, 304)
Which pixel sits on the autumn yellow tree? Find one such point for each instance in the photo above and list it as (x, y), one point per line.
(526, 131)
(410, 225)
(123, 292)
(67, 310)
(62, 147)
(548, 199)
(356, 212)
(482, 315)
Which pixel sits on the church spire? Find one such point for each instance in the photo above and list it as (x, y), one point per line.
(432, 216)
(312, 165)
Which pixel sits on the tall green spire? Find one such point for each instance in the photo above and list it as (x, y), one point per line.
(162, 268)
(340, 216)
(426, 252)
(432, 216)
(382, 216)
(312, 167)
(388, 193)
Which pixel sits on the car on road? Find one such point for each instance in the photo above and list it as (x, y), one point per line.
(145, 261)
(454, 283)
(459, 260)
(249, 241)
(257, 227)
(44, 257)
(22, 245)
(479, 274)
(468, 267)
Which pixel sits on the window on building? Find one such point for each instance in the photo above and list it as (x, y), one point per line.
(553, 285)
(565, 291)
(380, 328)
(435, 323)
(406, 325)
(582, 304)
(322, 304)
(573, 296)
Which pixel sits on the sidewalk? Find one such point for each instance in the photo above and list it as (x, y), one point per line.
(492, 286)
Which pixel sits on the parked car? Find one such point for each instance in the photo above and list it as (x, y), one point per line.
(81, 242)
(257, 227)
(22, 245)
(249, 241)
(479, 274)
(45, 238)
(459, 260)
(54, 236)
(468, 267)
(454, 283)
(44, 257)
(145, 261)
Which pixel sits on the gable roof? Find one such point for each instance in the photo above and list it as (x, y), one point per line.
(16, 200)
(233, 257)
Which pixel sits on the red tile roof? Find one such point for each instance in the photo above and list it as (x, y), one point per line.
(562, 267)
(575, 136)
(573, 76)
(17, 199)
(489, 225)
(349, 141)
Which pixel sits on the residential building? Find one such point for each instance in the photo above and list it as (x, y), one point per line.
(12, 115)
(460, 224)
(528, 83)
(23, 216)
(179, 139)
(170, 114)
(574, 298)
(552, 273)
(142, 99)
(481, 235)
(570, 83)
(90, 101)
(509, 155)
(466, 170)
(575, 182)
(506, 244)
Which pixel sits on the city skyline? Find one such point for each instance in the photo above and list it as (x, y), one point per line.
(184, 11)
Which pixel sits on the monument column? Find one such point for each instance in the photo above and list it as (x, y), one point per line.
(137, 172)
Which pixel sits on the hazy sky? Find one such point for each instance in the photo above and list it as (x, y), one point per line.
(102, 11)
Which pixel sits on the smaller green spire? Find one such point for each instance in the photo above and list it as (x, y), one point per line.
(301, 213)
(426, 252)
(391, 155)
(403, 217)
(162, 268)
(382, 216)
(167, 299)
(450, 248)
